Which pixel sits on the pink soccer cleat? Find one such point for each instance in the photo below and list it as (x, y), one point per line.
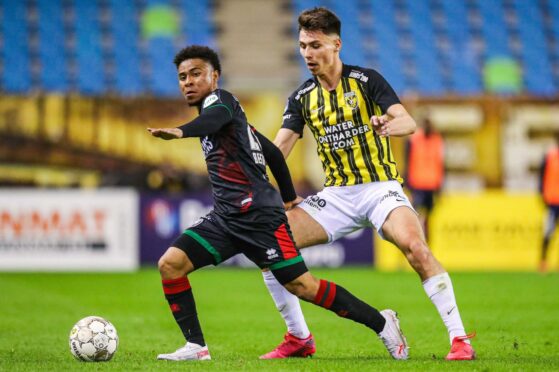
(461, 350)
(292, 347)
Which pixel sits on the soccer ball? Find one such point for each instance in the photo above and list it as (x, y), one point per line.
(93, 339)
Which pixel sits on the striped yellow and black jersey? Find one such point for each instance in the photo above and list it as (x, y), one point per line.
(350, 151)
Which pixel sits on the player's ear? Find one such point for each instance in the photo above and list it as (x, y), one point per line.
(338, 44)
(215, 76)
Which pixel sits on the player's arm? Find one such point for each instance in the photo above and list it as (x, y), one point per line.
(276, 161)
(397, 122)
(210, 121)
(285, 140)
(291, 128)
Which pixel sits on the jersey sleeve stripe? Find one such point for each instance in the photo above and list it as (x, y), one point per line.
(219, 105)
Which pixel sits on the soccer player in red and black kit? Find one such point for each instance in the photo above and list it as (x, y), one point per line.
(248, 215)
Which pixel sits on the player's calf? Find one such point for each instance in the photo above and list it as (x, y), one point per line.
(340, 301)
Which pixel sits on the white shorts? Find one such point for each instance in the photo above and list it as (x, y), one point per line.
(343, 209)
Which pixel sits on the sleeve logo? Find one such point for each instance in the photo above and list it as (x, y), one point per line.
(209, 100)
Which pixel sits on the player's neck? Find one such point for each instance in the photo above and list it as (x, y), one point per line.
(331, 78)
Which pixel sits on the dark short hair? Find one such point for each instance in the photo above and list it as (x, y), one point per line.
(320, 19)
(198, 51)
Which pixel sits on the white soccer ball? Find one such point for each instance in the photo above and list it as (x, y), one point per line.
(93, 339)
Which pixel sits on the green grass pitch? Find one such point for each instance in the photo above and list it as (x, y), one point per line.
(514, 314)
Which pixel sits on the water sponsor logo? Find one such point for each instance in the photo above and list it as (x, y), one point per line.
(342, 135)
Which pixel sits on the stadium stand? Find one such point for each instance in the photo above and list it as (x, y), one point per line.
(124, 50)
(94, 47)
(14, 51)
(430, 47)
(437, 47)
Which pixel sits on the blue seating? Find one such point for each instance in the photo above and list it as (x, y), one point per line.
(95, 47)
(127, 78)
(388, 53)
(163, 77)
(428, 75)
(196, 23)
(462, 58)
(90, 74)
(52, 54)
(538, 77)
(15, 52)
(493, 27)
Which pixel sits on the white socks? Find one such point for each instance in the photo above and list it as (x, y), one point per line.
(288, 305)
(440, 291)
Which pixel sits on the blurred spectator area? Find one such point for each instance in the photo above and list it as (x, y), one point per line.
(87, 141)
(98, 47)
(80, 141)
(80, 80)
(125, 47)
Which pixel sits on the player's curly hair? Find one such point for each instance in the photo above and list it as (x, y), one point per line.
(198, 51)
(320, 19)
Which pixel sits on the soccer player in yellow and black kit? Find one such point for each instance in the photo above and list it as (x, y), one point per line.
(248, 215)
(352, 111)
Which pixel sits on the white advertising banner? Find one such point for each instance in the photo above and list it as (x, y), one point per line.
(68, 230)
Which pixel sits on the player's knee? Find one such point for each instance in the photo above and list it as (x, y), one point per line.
(303, 287)
(166, 266)
(419, 251)
(163, 265)
(295, 287)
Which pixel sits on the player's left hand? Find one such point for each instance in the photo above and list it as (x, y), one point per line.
(166, 133)
(381, 125)
(293, 203)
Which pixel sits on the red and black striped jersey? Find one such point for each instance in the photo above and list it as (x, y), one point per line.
(234, 157)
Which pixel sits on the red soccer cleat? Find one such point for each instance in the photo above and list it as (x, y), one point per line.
(292, 347)
(461, 350)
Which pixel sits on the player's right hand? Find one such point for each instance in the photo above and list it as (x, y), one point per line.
(166, 133)
(380, 125)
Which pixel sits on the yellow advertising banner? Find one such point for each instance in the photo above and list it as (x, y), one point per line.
(493, 230)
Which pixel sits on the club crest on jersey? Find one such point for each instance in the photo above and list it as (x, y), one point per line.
(209, 100)
(350, 99)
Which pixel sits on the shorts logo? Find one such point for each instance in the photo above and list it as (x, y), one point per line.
(350, 99)
(272, 253)
(393, 194)
(316, 202)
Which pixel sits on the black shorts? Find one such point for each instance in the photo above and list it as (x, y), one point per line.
(423, 199)
(262, 235)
